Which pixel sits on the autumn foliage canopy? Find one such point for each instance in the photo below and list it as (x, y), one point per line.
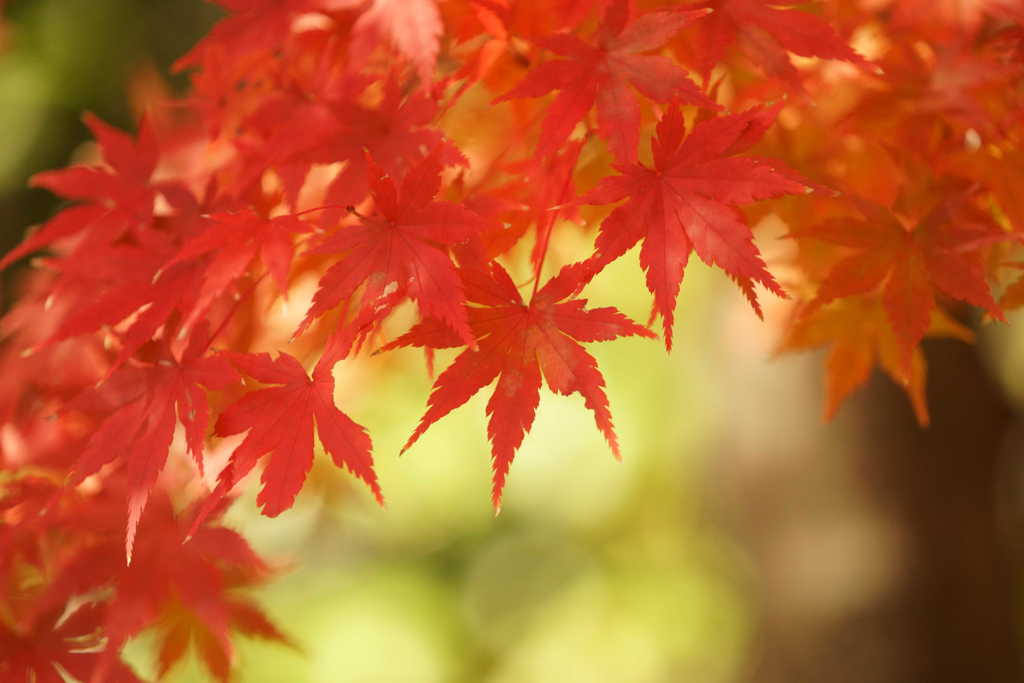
(423, 173)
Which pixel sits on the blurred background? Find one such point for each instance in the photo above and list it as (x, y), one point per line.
(740, 540)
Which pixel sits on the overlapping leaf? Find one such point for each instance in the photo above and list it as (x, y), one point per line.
(230, 242)
(188, 590)
(765, 31)
(601, 74)
(38, 649)
(412, 27)
(399, 252)
(909, 264)
(139, 431)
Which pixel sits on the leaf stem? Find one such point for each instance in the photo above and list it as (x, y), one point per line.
(550, 225)
(234, 309)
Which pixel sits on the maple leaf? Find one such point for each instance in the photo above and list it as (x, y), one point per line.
(45, 523)
(140, 430)
(63, 638)
(120, 197)
(118, 266)
(929, 96)
(131, 281)
(859, 335)
(491, 29)
(325, 123)
(951, 21)
(518, 342)
(234, 239)
(253, 26)
(412, 27)
(766, 32)
(909, 263)
(602, 74)
(126, 185)
(394, 132)
(687, 202)
(280, 421)
(61, 372)
(402, 246)
(187, 589)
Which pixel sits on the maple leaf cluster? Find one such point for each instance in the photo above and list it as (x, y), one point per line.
(417, 158)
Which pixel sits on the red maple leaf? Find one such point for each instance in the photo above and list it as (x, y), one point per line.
(859, 337)
(394, 131)
(293, 131)
(140, 430)
(519, 341)
(164, 299)
(910, 263)
(125, 185)
(400, 252)
(280, 421)
(120, 196)
(602, 73)
(687, 202)
(233, 240)
(412, 27)
(765, 32)
(184, 581)
(120, 273)
(38, 646)
(489, 31)
(253, 26)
